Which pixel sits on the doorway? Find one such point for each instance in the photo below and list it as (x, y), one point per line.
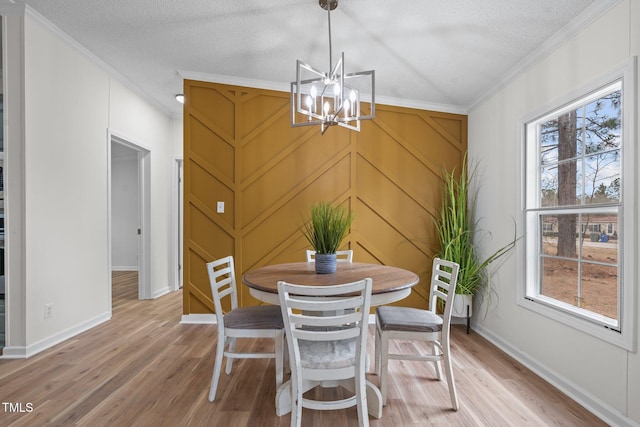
(129, 210)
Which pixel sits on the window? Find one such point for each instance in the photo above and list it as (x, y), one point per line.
(578, 207)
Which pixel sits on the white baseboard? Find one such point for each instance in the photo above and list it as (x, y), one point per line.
(161, 292)
(205, 319)
(14, 353)
(602, 410)
(22, 352)
(125, 268)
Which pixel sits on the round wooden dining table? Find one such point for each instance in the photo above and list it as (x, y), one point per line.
(390, 284)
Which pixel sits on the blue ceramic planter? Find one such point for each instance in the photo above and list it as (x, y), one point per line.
(325, 263)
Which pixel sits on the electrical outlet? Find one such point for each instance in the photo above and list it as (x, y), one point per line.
(220, 207)
(48, 311)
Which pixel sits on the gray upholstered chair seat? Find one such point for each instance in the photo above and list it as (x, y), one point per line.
(392, 318)
(256, 317)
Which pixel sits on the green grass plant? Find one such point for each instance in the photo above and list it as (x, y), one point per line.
(327, 226)
(457, 231)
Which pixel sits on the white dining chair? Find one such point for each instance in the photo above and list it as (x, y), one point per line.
(263, 321)
(327, 350)
(341, 256)
(405, 323)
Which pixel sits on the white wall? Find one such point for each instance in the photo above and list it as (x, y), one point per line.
(66, 118)
(601, 376)
(71, 101)
(132, 118)
(124, 212)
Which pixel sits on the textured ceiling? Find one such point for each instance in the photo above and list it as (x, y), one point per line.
(437, 53)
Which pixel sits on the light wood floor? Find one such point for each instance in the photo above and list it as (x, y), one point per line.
(144, 368)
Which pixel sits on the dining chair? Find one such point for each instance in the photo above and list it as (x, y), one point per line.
(327, 350)
(405, 323)
(264, 321)
(341, 256)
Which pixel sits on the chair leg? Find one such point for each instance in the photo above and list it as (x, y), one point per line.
(296, 403)
(232, 348)
(450, 381)
(361, 396)
(376, 352)
(384, 363)
(436, 362)
(279, 355)
(217, 367)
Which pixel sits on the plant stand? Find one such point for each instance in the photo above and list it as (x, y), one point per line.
(468, 318)
(462, 308)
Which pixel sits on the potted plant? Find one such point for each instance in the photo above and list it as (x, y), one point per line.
(457, 229)
(325, 229)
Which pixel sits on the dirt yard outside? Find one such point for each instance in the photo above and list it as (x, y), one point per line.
(599, 291)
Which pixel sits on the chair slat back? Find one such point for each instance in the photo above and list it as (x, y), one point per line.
(222, 279)
(341, 256)
(444, 279)
(326, 313)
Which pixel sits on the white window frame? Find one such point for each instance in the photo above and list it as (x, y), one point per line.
(625, 335)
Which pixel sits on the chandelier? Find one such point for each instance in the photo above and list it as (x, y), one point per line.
(333, 97)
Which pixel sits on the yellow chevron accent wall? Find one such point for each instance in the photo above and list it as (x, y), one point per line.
(241, 149)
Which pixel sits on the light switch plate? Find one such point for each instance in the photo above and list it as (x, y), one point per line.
(220, 208)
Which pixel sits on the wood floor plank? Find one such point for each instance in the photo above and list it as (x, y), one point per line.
(145, 368)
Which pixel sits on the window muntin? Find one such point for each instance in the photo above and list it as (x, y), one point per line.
(574, 203)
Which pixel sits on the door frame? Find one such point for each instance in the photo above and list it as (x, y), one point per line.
(144, 211)
(177, 222)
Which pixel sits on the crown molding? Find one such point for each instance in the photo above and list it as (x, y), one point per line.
(112, 72)
(285, 87)
(580, 22)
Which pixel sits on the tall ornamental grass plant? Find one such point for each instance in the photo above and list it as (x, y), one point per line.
(457, 229)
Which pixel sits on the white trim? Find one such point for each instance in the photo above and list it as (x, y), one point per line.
(598, 407)
(286, 87)
(161, 292)
(30, 12)
(583, 20)
(144, 171)
(627, 338)
(124, 268)
(177, 212)
(194, 319)
(22, 352)
(14, 192)
(572, 28)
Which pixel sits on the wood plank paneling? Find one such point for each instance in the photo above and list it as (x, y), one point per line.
(241, 149)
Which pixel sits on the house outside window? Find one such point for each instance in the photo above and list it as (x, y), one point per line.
(578, 192)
